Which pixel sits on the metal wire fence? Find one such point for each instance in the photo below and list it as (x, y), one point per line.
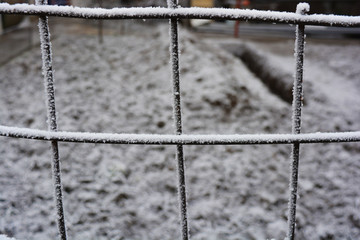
(174, 13)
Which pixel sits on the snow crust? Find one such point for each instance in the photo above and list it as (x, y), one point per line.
(4, 237)
(195, 13)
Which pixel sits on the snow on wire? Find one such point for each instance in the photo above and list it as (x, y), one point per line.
(184, 139)
(173, 13)
(189, 13)
(48, 73)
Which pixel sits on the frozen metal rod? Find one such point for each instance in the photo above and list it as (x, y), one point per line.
(51, 112)
(301, 8)
(174, 55)
(183, 139)
(182, 13)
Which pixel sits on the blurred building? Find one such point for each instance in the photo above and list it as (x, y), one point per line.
(59, 2)
(342, 7)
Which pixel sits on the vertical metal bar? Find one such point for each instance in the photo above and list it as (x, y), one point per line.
(51, 113)
(174, 54)
(296, 120)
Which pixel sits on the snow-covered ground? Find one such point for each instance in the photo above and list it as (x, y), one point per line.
(129, 191)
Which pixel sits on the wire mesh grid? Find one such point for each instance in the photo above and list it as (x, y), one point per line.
(174, 13)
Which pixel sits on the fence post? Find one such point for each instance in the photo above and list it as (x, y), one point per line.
(301, 8)
(174, 54)
(51, 112)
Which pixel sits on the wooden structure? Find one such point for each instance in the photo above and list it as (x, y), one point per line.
(202, 3)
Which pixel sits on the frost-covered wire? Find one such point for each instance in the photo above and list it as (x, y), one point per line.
(184, 139)
(51, 119)
(188, 13)
(302, 8)
(175, 73)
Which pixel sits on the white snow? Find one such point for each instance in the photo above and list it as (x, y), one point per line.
(302, 8)
(4, 237)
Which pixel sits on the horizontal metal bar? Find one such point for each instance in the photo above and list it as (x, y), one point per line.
(157, 139)
(186, 13)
